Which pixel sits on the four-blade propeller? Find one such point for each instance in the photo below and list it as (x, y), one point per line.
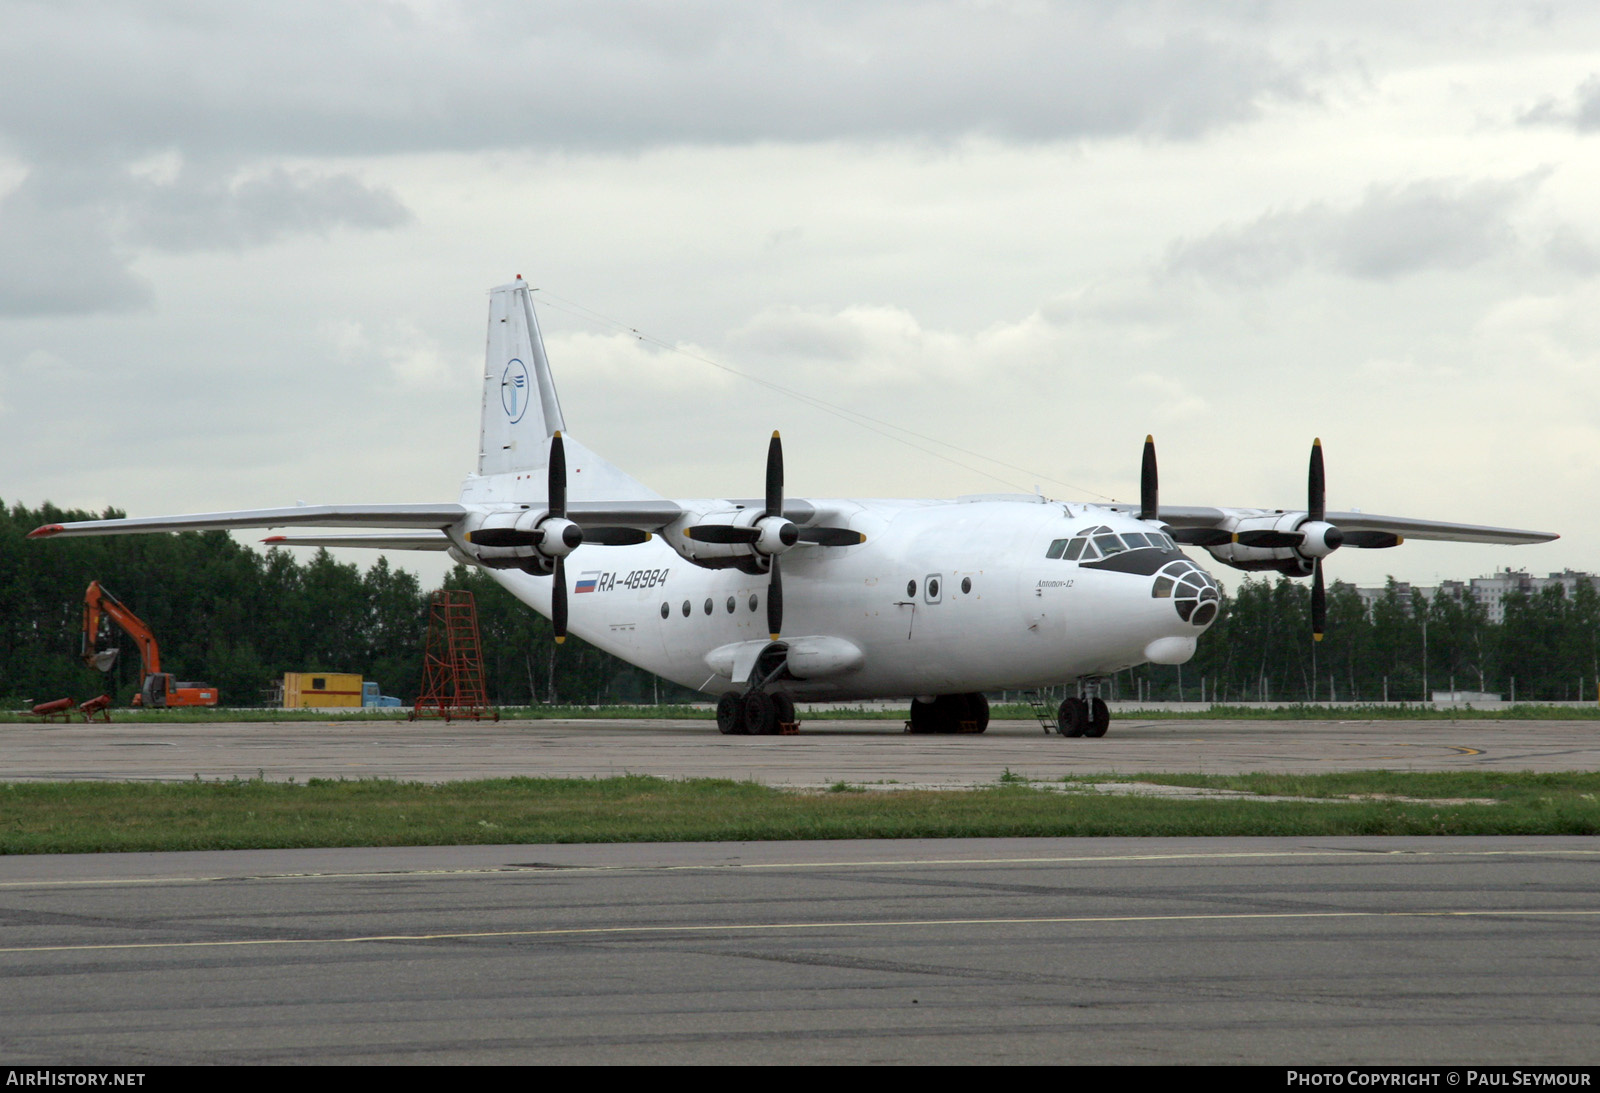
(1314, 538)
(771, 533)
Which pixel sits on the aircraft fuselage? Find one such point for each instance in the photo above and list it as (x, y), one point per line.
(943, 597)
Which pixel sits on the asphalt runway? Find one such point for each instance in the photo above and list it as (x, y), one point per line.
(825, 752)
(1336, 951)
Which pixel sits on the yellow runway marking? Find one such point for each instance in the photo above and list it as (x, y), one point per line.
(733, 928)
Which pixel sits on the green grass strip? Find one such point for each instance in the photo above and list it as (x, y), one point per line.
(84, 817)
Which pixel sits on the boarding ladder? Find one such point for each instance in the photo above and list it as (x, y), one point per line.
(1041, 710)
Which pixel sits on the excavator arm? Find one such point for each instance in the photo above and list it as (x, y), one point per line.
(97, 602)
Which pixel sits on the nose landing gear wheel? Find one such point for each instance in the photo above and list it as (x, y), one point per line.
(1073, 717)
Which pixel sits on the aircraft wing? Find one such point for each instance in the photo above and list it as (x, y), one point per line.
(650, 515)
(1355, 525)
(639, 515)
(347, 516)
(1408, 528)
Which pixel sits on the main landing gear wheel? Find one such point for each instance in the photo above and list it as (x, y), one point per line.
(730, 713)
(783, 710)
(951, 714)
(1073, 717)
(760, 714)
(977, 712)
(1099, 717)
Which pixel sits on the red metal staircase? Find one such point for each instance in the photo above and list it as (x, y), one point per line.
(452, 665)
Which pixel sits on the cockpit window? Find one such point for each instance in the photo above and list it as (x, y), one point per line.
(1135, 540)
(1109, 544)
(1074, 549)
(1056, 548)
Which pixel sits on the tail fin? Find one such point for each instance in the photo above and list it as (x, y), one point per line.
(520, 408)
(521, 413)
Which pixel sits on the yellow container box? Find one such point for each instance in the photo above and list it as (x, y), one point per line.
(303, 689)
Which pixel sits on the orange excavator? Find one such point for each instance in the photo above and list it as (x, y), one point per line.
(159, 689)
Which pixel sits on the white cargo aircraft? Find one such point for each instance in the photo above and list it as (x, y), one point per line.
(936, 601)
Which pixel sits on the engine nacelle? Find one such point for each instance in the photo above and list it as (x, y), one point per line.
(1288, 542)
(529, 540)
(733, 538)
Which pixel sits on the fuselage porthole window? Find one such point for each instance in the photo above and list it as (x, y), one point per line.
(911, 589)
(966, 585)
(731, 603)
(666, 610)
(930, 585)
(686, 609)
(753, 601)
(708, 605)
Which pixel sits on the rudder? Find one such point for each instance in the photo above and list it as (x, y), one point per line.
(520, 408)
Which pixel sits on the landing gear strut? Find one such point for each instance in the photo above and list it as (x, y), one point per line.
(963, 713)
(1085, 714)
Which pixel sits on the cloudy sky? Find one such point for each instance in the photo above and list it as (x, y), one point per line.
(244, 250)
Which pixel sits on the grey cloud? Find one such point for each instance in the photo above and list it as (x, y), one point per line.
(216, 213)
(1391, 232)
(60, 256)
(89, 88)
(68, 235)
(1580, 111)
(251, 80)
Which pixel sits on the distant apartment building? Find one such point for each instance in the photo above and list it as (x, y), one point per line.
(1491, 592)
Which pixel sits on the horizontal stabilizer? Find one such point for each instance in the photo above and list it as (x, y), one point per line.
(423, 540)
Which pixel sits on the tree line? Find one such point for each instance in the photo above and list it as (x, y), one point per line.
(1547, 648)
(239, 619)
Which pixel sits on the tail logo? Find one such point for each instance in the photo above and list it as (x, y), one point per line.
(514, 390)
